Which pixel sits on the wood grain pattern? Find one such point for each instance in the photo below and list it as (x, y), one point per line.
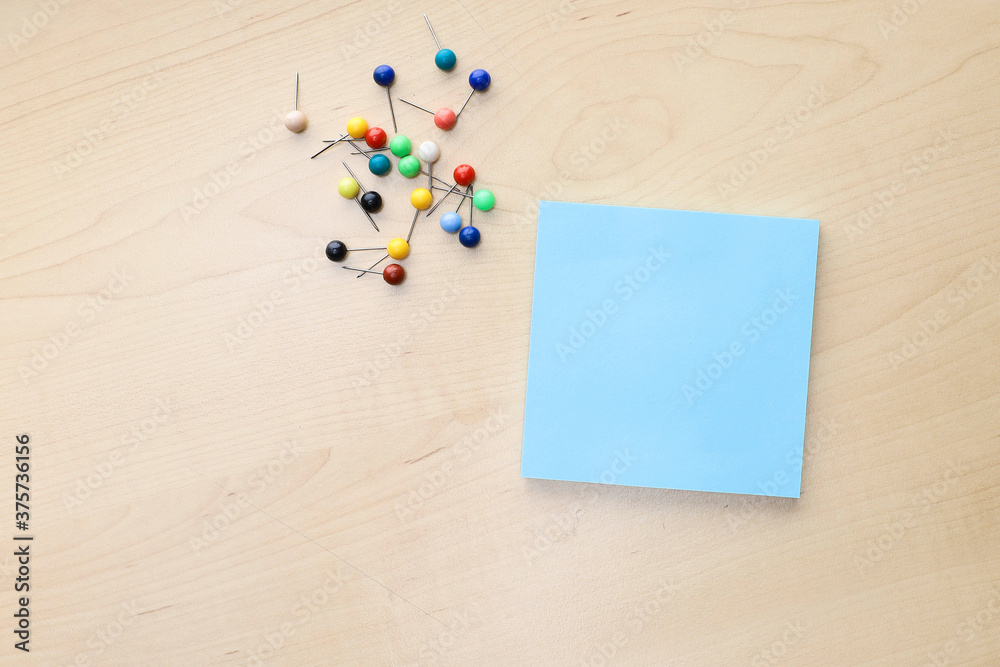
(243, 456)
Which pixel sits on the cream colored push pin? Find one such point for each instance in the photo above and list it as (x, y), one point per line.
(296, 120)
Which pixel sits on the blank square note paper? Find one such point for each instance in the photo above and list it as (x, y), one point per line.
(669, 349)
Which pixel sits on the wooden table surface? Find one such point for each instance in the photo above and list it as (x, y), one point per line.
(242, 455)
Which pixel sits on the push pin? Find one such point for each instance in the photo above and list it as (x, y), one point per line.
(480, 81)
(384, 76)
(464, 174)
(469, 236)
(400, 146)
(451, 222)
(409, 166)
(296, 121)
(444, 117)
(356, 127)
(348, 189)
(420, 198)
(377, 164)
(336, 251)
(445, 58)
(371, 201)
(392, 274)
(483, 200)
(429, 153)
(375, 137)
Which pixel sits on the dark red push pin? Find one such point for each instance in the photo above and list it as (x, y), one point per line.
(392, 274)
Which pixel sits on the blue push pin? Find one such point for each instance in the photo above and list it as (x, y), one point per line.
(384, 76)
(480, 81)
(445, 59)
(468, 236)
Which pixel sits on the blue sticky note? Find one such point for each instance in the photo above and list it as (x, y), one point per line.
(669, 349)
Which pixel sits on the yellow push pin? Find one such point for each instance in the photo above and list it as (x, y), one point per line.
(421, 199)
(398, 248)
(349, 189)
(356, 127)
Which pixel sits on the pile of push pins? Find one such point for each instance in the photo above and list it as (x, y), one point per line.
(400, 146)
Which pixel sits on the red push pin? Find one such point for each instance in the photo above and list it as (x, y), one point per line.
(375, 137)
(464, 175)
(444, 117)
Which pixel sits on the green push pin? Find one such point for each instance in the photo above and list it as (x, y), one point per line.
(409, 166)
(483, 200)
(400, 145)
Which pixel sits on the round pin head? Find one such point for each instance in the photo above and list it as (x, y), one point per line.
(371, 201)
(348, 188)
(379, 165)
(384, 75)
(451, 222)
(421, 199)
(400, 146)
(296, 121)
(479, 79)
(409, 166)
(398, 248)
(483, 200)
(464, 174)
(469, 237)
(375, 137)
(445, 60)
(445, 118)
(393, 274)
(429, 151)
(336, 251)
(357, 126)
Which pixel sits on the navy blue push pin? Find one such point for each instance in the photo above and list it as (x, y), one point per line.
(469, 236)
(445, 59)
(384, 76)
(480, 81)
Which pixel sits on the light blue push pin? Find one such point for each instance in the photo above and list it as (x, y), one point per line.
(451, 222)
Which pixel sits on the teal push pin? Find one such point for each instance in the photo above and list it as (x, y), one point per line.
(445, 58)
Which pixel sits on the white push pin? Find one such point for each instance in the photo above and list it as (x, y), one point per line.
(429, 153)
(296, 120)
